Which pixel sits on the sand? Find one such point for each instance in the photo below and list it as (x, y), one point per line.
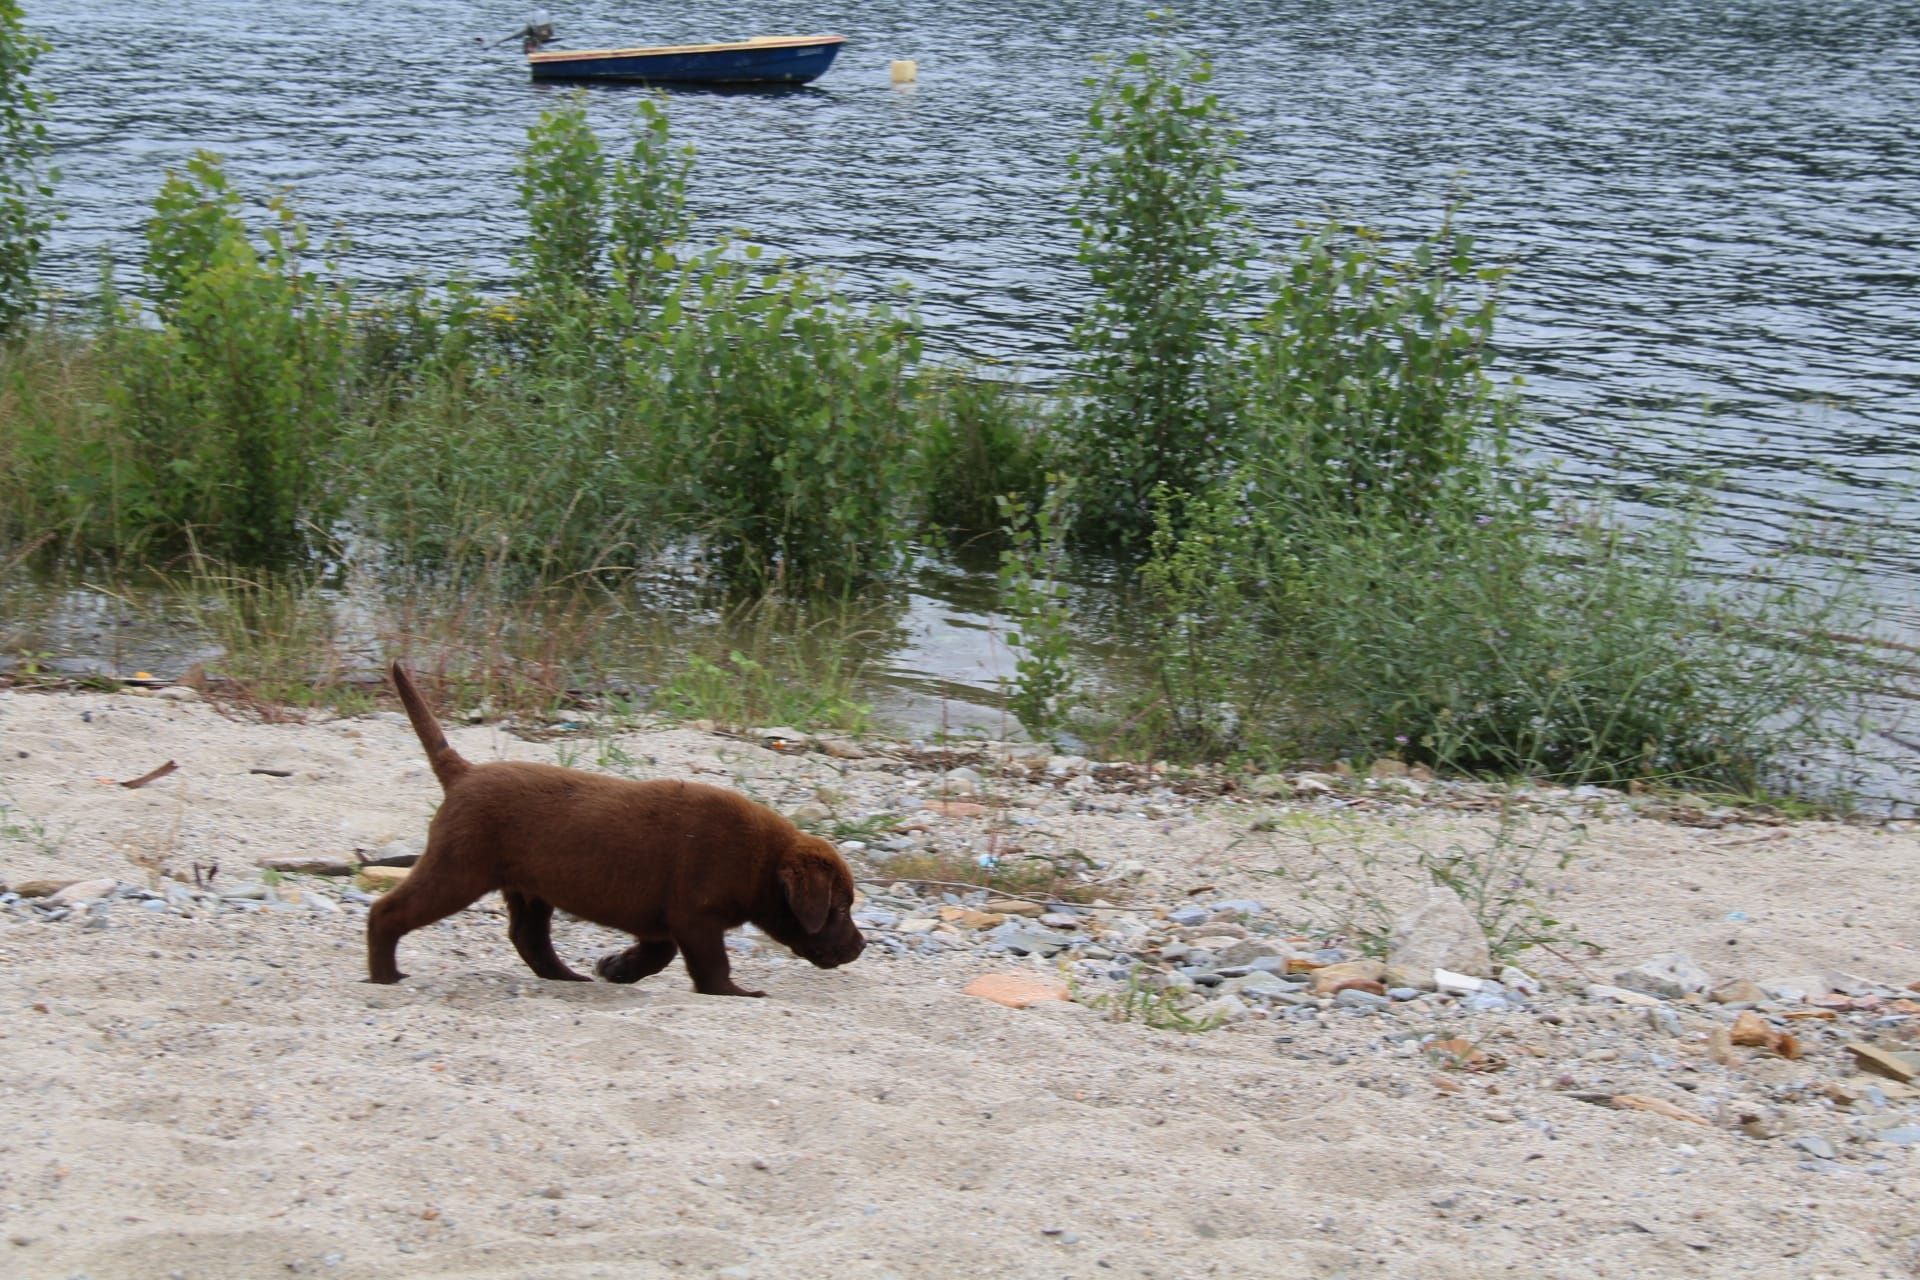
(220, 1095)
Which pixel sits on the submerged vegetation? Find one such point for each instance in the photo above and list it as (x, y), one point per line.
(1297, 467)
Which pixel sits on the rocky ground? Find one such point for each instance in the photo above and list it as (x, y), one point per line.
(1706, 1073)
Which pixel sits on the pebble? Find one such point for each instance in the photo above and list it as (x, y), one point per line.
(1483, 1002)
(1403, 994)
(1905, 1135)
(1189, 916)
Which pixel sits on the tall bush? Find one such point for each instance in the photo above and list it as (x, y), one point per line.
(26, 181)
(647, 206)
(789, 419)
(1367, 373)
(1161, 238)
(563, 192)
(232, 393)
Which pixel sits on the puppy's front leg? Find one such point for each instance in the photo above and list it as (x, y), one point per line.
(705, 955)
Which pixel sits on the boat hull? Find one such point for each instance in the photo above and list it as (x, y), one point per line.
(790, 60)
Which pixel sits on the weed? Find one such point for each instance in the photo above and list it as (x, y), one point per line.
(1140, 1001)
(1356, 890)
(867, 829)
(18, 825)
(780, 665)
(1041, 877)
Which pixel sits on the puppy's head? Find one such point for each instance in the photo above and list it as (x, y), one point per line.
(814, 918)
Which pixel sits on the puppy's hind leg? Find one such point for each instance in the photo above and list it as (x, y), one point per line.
(641, 960)
(432, 892)
(530, 926)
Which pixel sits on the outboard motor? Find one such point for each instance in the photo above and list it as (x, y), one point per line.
(538, 31)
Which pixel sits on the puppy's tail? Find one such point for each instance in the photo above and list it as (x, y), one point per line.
(447, 763)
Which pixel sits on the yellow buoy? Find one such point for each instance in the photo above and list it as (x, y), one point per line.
(905, 70)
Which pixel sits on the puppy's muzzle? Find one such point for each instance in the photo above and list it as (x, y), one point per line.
(835, 947)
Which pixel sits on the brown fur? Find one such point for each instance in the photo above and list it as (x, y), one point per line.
(675, 864)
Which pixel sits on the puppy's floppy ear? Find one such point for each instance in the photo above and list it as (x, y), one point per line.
(809, 887)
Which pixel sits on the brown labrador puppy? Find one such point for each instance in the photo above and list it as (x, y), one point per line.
(675, 864)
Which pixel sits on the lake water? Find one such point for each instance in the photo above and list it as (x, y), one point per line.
(1712, 208)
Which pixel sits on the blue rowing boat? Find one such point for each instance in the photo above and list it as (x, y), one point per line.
(764, 60)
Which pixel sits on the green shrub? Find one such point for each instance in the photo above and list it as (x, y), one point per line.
(563, 192)
(980, 441)
(528, 474)
(788, 413)
(1366, 376)
(26, 182)
(1210, 619)
(1161, 236)
(232, 399)
(1034, 596)
(647, 200)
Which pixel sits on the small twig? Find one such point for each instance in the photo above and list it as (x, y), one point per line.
(1550, 949)
(150, 776)
(273, 773)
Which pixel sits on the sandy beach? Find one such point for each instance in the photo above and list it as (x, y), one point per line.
(200, 1085)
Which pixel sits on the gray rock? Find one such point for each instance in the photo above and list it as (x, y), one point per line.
(253, 892)
(1188, 916)
(1669, 976)
(1355, 999)
(872, 918)
(1259, 983)
(1814, 1145)
(1028, 941)
(1235, 907)
(1269, 964)
(1486, 1002)
(1439, 932)
(1329, 955)
(1905, 1135)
